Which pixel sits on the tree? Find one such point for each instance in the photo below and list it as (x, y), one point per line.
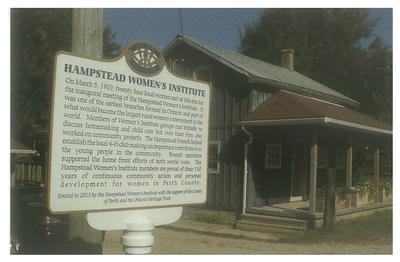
(328, 49)
(110, 47)
(36, 36)
(377, 81)
(328, 46)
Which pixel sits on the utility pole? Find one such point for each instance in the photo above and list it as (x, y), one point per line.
(87, 40)
(87, 32)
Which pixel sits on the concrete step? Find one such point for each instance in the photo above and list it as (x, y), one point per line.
(268, 228)
(280, 212)
(275, 220)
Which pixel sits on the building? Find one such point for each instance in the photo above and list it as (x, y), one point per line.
(24, 170)
(273, 134)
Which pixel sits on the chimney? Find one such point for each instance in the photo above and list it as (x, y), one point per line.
(287, 59)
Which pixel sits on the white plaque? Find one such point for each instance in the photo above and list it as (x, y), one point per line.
(126, 133)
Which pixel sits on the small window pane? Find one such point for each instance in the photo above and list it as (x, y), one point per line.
(322, 157)
(213, 157)
(340, 159)
(273, 155)
(204, 75)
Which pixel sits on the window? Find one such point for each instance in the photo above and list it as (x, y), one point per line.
(202, 73)
(340, 159)
(273, 156)
(322, 157)
(178, 66)
(213, 157)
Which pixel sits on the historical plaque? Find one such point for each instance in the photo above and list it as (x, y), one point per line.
(126, 133)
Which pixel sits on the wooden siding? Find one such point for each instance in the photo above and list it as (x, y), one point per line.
(231, 100)
(257, 97)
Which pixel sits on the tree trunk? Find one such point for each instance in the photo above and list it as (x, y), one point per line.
(330, 199)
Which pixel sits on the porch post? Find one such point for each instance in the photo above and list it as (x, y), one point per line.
(313, 172)
(349, 167)
(349, 175)
(376, 174)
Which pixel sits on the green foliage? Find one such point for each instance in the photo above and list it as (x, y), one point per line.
(327, 44)
(36, 36)
(363, 164)
(208, 217)
(327, 49)
(341, 193)
(110, 47)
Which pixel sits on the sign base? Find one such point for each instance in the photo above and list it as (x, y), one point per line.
(138, 225)
(117, 220)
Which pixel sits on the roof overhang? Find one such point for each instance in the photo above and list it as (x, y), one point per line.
(304, 91)
(22, 151)
(19, 148)
(322, 121)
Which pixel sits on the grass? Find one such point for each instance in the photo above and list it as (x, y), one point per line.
(210, 218)
(376, 228)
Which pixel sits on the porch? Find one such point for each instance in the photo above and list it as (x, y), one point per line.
(291, 213)
(296, 139)
(291, 220)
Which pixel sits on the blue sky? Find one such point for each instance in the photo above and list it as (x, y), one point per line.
(216, 26)
(160, 26)
(385, 26)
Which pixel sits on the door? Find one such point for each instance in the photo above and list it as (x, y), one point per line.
(299, 173)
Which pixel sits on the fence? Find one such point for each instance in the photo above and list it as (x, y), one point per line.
(29, 173)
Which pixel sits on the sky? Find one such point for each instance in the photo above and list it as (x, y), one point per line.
(219, 27)
(160, 26)
(384, 27)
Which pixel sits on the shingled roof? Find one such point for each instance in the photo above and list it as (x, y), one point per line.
(285, 108)
(262, 72)
(17, 147)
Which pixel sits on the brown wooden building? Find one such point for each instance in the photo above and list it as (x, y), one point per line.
(273, 134)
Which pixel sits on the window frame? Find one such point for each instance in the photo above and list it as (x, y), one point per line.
(202, 69)
(217, 170)
(267, 155)
(325, 159)
(342, 161)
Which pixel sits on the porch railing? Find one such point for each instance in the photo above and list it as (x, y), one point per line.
(28, 173)
(357, 197)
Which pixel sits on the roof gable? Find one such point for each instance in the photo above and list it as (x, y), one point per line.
(260, 71)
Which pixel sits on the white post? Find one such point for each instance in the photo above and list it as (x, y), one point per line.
(138, 238)
(245, 171)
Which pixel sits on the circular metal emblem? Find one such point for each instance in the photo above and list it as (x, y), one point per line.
(144, 58)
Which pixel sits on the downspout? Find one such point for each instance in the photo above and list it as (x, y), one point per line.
(245, 171)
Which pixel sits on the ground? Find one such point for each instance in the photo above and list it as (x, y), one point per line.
(172, 242)
(366, 235)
